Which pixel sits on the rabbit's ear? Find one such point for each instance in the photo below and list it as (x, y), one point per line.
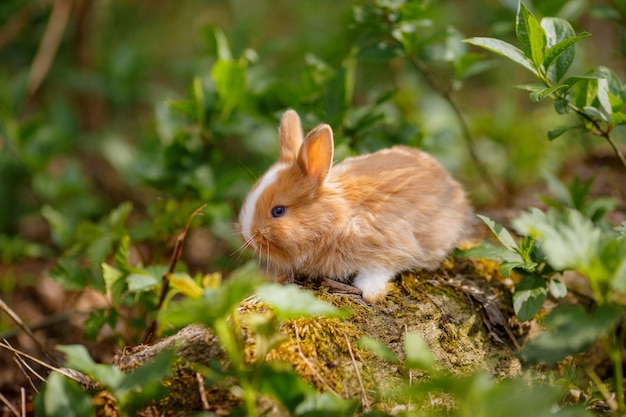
(290, 136)
(316, 153)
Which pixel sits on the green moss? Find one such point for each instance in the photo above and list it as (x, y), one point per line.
(434, 304)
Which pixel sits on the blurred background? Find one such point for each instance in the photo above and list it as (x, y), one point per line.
(121, 117)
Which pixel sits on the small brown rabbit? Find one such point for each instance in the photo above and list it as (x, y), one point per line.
(366, 219)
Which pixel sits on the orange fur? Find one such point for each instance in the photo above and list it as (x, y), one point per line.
(372, 216)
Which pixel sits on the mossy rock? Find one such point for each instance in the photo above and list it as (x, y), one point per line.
(462, 311)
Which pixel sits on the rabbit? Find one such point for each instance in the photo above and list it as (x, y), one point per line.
(365, 219)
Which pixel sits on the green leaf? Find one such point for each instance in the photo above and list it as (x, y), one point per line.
(110, 275)
(603, 96)
(488, 251)
(561, 39)
(573, 80)
(417, 354)
(97, 320)
(529, 296)
(584, 91)
(70, 274)
(596, 113)
(121, 256)
(215, 303)
(230, 81)
(561, 106)
(537, 96)
(558, 190)
(78, 359)
(533, 88)
(560, 131)
(60, 226)
(291, 302)
(568, 240)
(141, 281)
(327, 405)
(378, 348)
(557, 288)
(571, 330)
(504, 49)
(596, 209)
(527, 250)
(618, 118)
(537, 37)
(560, 53)
(280, 381)
(521, 29)
(503, 235)
(185, 284)
(62, 397)
(118, 216)
(221, 44)
(507, 267)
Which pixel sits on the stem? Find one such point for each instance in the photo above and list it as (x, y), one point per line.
(599, 131)
(176, 254)
(615, 354)
(249, 398)
(617, 150)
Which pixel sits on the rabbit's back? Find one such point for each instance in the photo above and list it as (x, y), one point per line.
(404, 204)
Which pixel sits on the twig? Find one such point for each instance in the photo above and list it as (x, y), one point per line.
(598, 131)
(22, 365)
(366, 405)
(309, 364)
(17, 320)
(176, 254)
(23, 392)
(8, 405)
(49, 44)
(10, 348)
(70, 373)
(202, 390)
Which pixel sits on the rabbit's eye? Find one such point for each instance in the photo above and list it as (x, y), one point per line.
(278, 211)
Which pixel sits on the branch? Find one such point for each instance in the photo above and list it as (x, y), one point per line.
(599, 131)
(176, 254)
(17, 320)
(49, 44)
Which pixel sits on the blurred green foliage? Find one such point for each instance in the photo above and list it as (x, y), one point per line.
(109, 122)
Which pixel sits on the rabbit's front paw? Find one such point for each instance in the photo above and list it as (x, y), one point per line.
(374, 283)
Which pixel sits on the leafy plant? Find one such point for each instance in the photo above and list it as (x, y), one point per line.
(575, 196)
(132, 391)
(570, 241)
(547, 51)
(473, 394)
(528, 262)
(556, 241)
(217, 309)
